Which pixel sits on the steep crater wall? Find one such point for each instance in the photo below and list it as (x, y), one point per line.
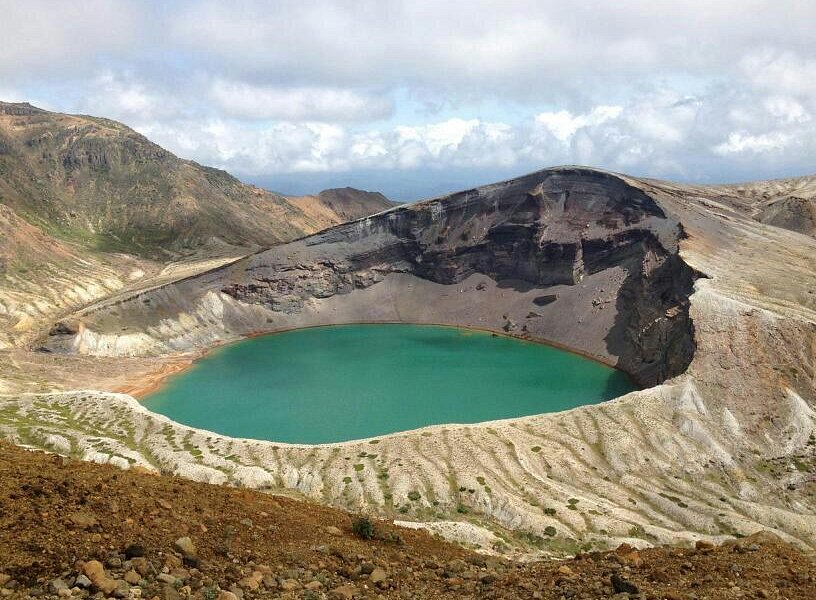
(573, 256)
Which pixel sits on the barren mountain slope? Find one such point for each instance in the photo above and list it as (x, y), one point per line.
(712, 311)
(787, 203)
(342, 204)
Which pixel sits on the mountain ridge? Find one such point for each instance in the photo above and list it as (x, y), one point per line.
(99, 183)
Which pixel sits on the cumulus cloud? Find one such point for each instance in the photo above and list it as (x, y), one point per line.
(740, 142)
(514, 47)
(664, 133)
(563, 124)
(121, 96)
(46, 37)
(781, 71)
(244, 100)
(694, 90)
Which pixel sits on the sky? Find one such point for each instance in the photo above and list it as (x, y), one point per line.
(418, 98)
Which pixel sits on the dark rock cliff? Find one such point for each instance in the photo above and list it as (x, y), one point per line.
(551, 228)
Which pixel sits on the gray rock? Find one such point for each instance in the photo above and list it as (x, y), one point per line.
(186, 546)
(56, 585)
(377, 576)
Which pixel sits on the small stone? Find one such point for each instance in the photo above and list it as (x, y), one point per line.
(672, 595)
(289, 585)
(246, 522)
(313, 585)
(166, 578)
(252, 582)
(134, 551)
(565, 570)
(94, 571)
(487, 578)
(619, 584)
(82, 582)
(332, 530)
(367, 568)
(225, 595)
(58, 584)
(4, 579)
(186, 546)
(170, 593)
(83, 519)
(65, 593)
(457, 566)
(343, 592)
(378, 575)
(141, 565)
(122, 589)
(132, 577)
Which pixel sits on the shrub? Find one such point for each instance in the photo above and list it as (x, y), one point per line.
(363, 527)
(414, 496)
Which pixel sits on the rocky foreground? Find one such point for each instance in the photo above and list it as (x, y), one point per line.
(74, 529)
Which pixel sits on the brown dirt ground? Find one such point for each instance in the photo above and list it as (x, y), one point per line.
(57, 513)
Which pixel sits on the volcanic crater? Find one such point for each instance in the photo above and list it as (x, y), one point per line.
(679, 286)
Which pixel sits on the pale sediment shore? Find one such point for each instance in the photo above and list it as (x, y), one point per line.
(151, 381)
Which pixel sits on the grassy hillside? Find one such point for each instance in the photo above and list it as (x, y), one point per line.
(99, 183)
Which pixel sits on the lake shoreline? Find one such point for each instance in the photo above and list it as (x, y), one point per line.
(434, 374)
(154, 381)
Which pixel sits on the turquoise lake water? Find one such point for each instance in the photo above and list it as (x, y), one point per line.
(329, 384)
